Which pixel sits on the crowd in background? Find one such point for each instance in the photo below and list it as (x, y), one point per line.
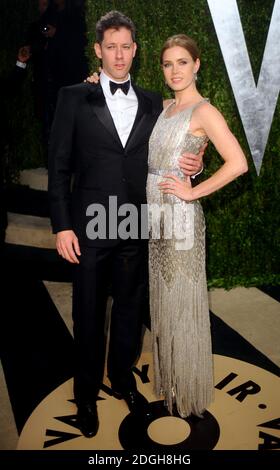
(54, 50)
(57, 41)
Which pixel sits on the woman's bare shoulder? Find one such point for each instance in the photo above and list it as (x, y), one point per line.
(207, 112)
(207, 109)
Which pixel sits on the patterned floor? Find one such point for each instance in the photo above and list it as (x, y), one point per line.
(37, 358)
(36, 404)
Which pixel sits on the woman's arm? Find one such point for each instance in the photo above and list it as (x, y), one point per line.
(211, 121)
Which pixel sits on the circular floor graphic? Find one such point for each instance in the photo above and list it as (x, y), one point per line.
(159, 430)
(244, 416)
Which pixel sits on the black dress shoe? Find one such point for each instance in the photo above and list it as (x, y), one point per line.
(88, 419)
(136, 402)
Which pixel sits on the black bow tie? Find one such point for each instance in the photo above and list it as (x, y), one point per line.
(123, 86)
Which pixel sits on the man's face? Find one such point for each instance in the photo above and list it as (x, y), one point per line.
(116, 51)
(59, 3)
(42, 6)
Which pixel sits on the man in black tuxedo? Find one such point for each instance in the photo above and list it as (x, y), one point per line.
(102, 131)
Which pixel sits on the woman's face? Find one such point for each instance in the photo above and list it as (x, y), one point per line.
(179, 68)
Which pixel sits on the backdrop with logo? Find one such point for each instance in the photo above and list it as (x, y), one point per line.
(243, 229)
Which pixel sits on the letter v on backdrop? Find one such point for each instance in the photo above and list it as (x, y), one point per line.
(256, 104)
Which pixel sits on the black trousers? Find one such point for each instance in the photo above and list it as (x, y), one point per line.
(124, 267)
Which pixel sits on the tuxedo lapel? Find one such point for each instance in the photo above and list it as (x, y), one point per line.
(144, 108)
(97, 102)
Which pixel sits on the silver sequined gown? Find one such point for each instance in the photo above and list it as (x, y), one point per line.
(183, 362)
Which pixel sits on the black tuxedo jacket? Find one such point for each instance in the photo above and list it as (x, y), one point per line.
(84, 141)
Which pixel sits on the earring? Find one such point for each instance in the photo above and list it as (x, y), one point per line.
(195, 75)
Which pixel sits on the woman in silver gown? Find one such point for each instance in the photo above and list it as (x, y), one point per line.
(183, 364)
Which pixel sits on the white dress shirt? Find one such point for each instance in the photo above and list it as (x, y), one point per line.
(20, 64)
(123, 108)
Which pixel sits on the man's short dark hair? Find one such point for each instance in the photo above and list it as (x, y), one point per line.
(116, 20)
